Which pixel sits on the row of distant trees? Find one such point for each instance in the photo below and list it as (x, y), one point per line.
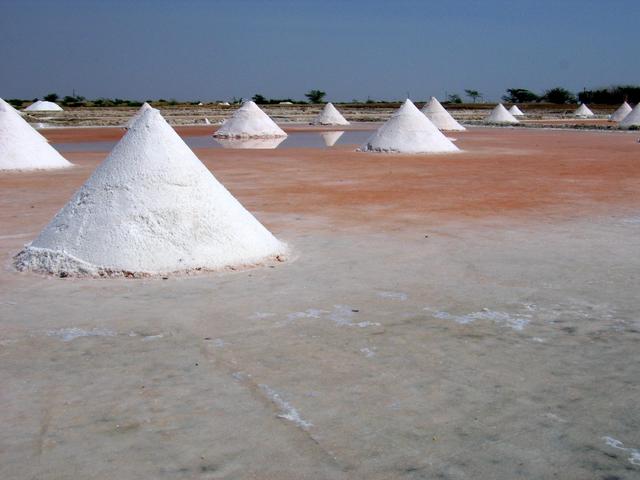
(613, 95)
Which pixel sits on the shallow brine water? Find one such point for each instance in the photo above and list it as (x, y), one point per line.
(294, 140)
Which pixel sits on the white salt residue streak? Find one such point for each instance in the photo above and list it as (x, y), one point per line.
(516, 322)
(634, 458)
(308, 313)
(68, 334)
(261, 315)
(341, 315)
(368, 352)
(152, 337)
(218, 342)
(394, 295)
(286, 409)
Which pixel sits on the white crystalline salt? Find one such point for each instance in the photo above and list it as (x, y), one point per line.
(249, 121)
(44, 106)
(440, 117)
(330, 116)
(501, 115)
(151, 207)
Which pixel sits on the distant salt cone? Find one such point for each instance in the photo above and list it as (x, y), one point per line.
(43, 106)
(440, 117)
(22, 147)
(145, 106)
(622, 111)
(501, 115)
(151, 207)
(330, 116)
(633, 119)
(249, 121)
(408, 131)
(515, 111)
(330, 138)
(583, 111)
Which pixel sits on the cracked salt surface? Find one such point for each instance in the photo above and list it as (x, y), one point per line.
(286, 409)
(634, 457)
(69, 334)
(504, 319)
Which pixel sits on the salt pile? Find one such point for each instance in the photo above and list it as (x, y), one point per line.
(21, 147)
(330, 116)
(515, 111)
(622, 111)
(330, 138)
(633, 119)
(145, 106)
(408, 131)
(440, 117)
(500, 115)
(4, 106)
(151, 207)
(583, 111)
(43, 106)
(249, 121)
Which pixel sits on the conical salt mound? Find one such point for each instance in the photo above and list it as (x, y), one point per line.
(44, 106)
(7, 107)
(249, 121)
(440, 117)
(145, 106)
(515, 111)
(330, 138)
(633, 119)
(151, 207)
(330, 116)
(622, 111)
(408, 131)
(500, 115)
(21, 147)
(583, 111)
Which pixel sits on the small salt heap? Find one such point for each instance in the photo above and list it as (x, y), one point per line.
(43, 106)
(408, 131)
(330, 116)
(501, 115)
(622, 111)
(515, 111)
(151, 207)
(249, 121)
(633, 119)
(440, 117)
(22, 147)
(583, 111)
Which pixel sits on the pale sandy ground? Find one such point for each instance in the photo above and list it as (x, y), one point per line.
(465, 316)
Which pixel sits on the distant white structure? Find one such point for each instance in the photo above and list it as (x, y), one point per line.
(440, 117)
(632, 119)
(515, 111)
(224, 104)
(285, 103)
(583, 111)
(150, 208)
(145, 106)
(330, 116)
(330, 138)
(622, 111)
(43, 106)
(501, 115)
(408, 131)
(249, 121)
(22, 147)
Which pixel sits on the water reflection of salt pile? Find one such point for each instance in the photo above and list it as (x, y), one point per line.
(330, 138)
(250, 143)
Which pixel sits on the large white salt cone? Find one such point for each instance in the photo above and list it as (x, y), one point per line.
(408, 131)
(249, 121)
(440, 117)
(150, 208)
(621, 112)
(43, 106)
(515, 111)
(22, 147)
(583, 111)
(145, 106)
(632, 119)
(330, 116)
(501, 115)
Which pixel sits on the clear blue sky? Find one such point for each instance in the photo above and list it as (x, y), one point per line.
(211, 50)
